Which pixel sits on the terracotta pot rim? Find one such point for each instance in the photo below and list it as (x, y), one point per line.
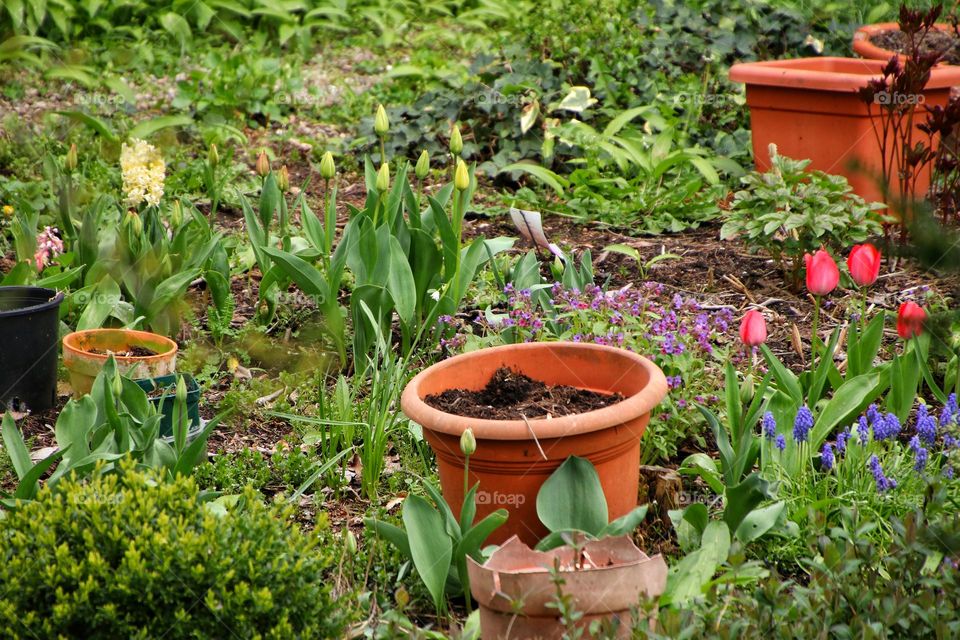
(809, 74)
(73, 349)
(864, 47)
(630, 408)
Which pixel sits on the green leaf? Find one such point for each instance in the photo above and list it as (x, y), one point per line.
(391, 533)
(303, 273)
(572, 498)
(847, 402)
(29, 485)
(702, 465)
(16, 447)
(97, 125)
(544, 175)
(743, 498)
(625, 524)
(147, 128)
(400, 283)
(430, 548)
(759, 521)
(786, 381)
(687, 578)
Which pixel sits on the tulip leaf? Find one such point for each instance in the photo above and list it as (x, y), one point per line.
(572, 498)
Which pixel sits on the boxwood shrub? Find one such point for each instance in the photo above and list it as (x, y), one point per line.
(124, 555)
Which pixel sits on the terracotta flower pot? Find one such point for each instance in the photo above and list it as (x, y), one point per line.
(609, 583)
(863, 45)
(810, 109)
(84, 365)
(508, 462)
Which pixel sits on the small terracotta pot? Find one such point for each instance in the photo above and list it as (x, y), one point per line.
(810, 109)
(509, 463)
(84, 365)
(614, 574)
(863, 46)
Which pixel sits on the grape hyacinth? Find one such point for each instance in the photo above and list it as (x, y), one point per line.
(886, 427)
(842, 438)
(827, 458)
(769, 426)
(802, 424)
(780, 443)
(883, 482)
(926, 425)
(950, 411)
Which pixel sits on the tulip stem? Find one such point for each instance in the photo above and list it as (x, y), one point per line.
(814, 338)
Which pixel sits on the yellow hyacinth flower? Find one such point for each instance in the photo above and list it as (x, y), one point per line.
(143, 171)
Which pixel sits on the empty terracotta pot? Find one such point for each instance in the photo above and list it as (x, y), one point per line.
(605, 584)
(85, 352)
(809, 108)
(862, 37)
(514, 457)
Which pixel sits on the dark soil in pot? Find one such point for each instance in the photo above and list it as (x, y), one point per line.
(132, 352)
(936, 41)
(513, 396)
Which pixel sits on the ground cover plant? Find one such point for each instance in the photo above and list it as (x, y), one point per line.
(317, 200)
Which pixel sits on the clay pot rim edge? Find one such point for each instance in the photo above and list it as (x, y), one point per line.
(628, 409)
(863, 46)
(73, 350)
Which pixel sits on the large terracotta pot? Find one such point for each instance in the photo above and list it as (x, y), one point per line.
(810, 109)
(863, 46)
(605, 586)
(84, 365)
(508, 462)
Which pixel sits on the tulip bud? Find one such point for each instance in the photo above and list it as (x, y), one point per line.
(176, 215)
(327, 168)
(456, 141)
(402, 598)
(380, 123)
(753, 329)
(461, 178)
(746, 389)
(383, 178)
(181, 391)
(213, 158)
(263, 164)
(822, 273)
(283, 179)
(70, 162)
(133, 222)
(351, 540)
(864, 264)
(117, 385)
(423, 165)
(166, 267)
(910, 319)
(468, 443)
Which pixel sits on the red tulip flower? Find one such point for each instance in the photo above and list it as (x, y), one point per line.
(753, 329)
(864, 264)
(910, 320)
(822, 273)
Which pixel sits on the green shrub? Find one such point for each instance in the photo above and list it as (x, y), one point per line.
(788, 212)
(853, 590)
(128, 556)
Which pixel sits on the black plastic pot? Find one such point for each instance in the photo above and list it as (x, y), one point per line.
(29, 335)
(165, 402)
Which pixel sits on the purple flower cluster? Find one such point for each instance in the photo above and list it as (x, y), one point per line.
(827, 458)
(884, 426)
(883, 482)
(926, 425)
(802, 424)
(950, 413)
(662, 323)
(769, 426)
(921, 453)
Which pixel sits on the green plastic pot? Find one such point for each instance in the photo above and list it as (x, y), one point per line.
(165, 402)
